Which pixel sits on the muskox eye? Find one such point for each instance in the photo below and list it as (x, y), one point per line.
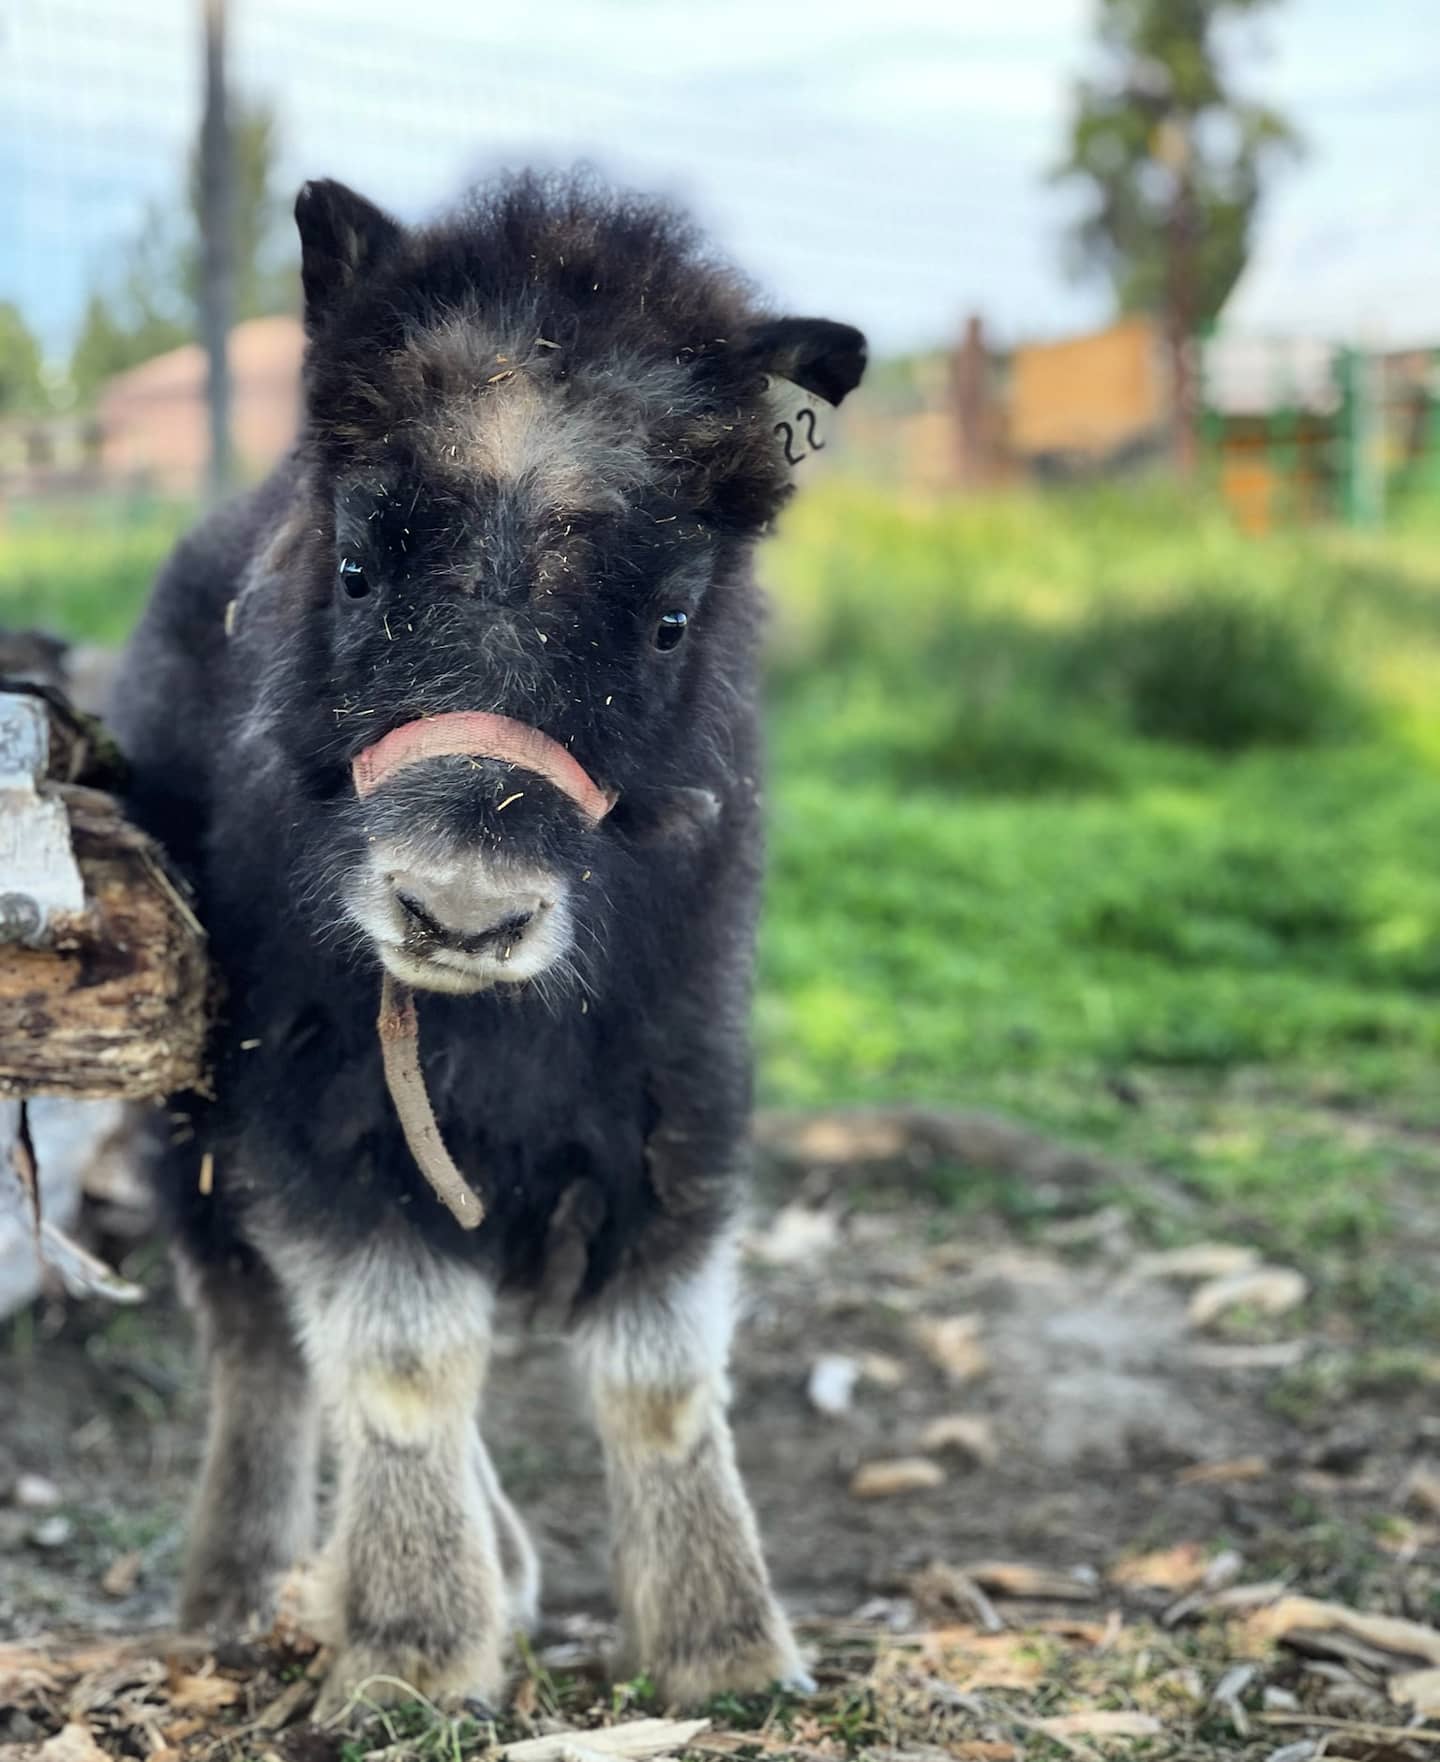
(353, 578)
(670, 631)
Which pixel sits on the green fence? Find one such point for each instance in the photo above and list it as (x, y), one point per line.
(1297, 428)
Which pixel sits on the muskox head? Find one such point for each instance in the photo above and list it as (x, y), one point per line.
(513, 604)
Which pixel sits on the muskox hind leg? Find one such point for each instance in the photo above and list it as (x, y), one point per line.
(255, 1510)
(409, 1588)
(695, 1598)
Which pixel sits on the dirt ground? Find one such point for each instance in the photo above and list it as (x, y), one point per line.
(939, 1421)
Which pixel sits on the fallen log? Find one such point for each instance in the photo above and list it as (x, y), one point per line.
(104, 976)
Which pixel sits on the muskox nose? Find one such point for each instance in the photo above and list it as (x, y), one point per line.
(465, 922)
(469, 914)
(423, 924)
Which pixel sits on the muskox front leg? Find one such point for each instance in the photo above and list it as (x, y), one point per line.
(409, 1588)
(695, 1598)
(255, 1509)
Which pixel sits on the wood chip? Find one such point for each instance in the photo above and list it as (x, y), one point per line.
(843, 1138)
(942, 1592)
(26, 1674)
(1272, 1290)
(1224, 1474)
(298, 1698)
(1264, 1355)
(1180, 1568)
(968, 1434)
(953, 1344)
(970, 1661)
(122, 1574)
(202, 1694)
(638, 1741)
(72, 1743)
(1389, 1636)
(1221, 1571)
(1100, 1724)
(175, 1731)
(1240, 1599)
(1006, 1578)
(1419, 1690)
(905, 1474)
(1201, 1260)
(1363, 1730)
(796, 1234)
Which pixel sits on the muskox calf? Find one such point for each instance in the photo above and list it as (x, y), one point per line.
(465, 695)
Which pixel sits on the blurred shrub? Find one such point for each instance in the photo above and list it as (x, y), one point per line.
(1022, 644)
(1216, 669)
(1022, 742)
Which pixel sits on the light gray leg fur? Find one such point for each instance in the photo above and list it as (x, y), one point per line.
(255, 1512)
(519, 1563)
(409, 1586)
(695, 1598)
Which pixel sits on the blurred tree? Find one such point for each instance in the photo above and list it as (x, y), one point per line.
(152, 305)
(145, 315)
(22, 383)
(1173, 158)
(265, 271)
(116, 336)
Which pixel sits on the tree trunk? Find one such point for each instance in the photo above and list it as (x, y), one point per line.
(217, 250)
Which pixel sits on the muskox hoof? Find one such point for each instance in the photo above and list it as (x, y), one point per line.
(230, 1605)
(749, 1667)
(362, 1679)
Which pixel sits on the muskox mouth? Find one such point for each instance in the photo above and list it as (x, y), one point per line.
(460, 925)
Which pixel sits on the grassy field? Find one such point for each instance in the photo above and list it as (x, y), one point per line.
(1093, 809)
(83, 573)
(1089, 808)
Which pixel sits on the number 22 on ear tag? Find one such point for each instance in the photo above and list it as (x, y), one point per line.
(799, 418)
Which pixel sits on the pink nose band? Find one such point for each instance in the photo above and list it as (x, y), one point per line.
(478, 735)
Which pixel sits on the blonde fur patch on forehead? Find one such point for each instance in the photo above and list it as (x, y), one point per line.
(568, 456)
(496, 408)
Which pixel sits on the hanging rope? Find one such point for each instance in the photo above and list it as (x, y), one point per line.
(399, 1027)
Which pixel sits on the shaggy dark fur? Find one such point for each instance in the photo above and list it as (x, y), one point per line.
(533, 430)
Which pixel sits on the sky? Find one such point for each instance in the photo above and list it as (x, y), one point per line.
(883, 161)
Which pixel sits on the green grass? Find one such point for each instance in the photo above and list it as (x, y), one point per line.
(1093, 793)
(1076, 797)
(1079, 780)
(84, 571)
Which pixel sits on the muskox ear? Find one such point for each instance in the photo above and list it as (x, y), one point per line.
(341, 237)
(816, 354)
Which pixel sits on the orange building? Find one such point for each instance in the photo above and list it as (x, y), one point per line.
(1090, 402)
(153, 426)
